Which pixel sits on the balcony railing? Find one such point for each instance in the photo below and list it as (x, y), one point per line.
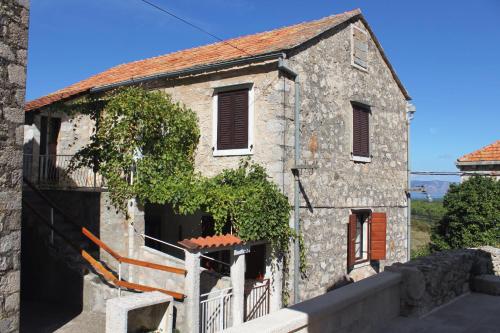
(52, 171)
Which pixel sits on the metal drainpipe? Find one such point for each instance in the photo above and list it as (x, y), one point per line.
(296, 251)
(410, 112)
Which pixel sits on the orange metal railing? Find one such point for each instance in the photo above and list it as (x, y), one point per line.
(99, 267)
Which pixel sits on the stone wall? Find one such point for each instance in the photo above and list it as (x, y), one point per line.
(329, 83)
(431, 281)
(13, 48)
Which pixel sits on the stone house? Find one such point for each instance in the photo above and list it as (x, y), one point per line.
(484, 161)
(318, 104)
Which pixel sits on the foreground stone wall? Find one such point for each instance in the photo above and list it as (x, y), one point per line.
(434, 280)
(364, 306)
(329, 83)
(13, 46)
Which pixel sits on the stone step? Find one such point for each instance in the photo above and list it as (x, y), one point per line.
(96, 291)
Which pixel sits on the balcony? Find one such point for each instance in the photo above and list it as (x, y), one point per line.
(52, 172)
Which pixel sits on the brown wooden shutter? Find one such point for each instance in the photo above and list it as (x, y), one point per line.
(232, 119)
(378, 231)
(351, 241)
(361, 131)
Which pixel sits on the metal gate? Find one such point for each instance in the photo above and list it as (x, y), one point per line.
(257, 297)
(215, 310)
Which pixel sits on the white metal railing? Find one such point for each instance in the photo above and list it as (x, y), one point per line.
(215, 310)
(257, 297)
(53, 170)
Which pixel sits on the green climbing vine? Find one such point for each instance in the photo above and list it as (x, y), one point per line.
(147, 135)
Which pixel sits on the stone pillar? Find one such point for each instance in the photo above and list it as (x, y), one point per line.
(238, 284)
(192, 291)
(13, 48)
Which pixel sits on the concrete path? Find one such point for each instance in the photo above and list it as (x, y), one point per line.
(468, 314)
(39, 317)
(86, 322)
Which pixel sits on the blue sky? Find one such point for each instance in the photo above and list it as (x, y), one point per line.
(447, 53)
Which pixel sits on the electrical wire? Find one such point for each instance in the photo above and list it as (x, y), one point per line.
(454, 173)
(194, 26)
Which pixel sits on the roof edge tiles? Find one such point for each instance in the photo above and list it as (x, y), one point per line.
(489, 153)
(211, 242)
(259, 44)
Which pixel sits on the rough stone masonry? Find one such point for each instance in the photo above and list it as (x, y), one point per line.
(13, 52)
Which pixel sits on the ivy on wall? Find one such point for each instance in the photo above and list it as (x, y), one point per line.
(147, 135)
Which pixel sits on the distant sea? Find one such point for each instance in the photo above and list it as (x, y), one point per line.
(435, 188)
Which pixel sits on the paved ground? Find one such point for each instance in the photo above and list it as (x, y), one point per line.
(50, 317)
(468, 314)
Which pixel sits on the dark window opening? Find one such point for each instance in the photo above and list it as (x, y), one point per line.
(208, 229)
(256, 262)
(152, 219)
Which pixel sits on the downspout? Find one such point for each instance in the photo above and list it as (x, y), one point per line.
(282, 66)
(410, 112)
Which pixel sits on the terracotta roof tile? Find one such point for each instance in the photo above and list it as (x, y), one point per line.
(211, 242)
(488, 153)
(257, 44)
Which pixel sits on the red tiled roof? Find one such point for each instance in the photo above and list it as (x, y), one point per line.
(258, 44)
(211, 242)
(489, 153)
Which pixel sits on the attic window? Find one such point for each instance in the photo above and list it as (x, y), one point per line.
(359, 47)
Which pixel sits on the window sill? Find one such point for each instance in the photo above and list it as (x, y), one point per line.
(232, 152)
(362, 159)
(361, 68)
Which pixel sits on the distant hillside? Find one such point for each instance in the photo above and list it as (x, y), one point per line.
(436, 188)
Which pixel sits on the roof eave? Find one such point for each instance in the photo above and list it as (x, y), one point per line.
(191, 70)
(467, 163)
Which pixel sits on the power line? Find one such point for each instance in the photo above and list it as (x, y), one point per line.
(454, 173)
(194, 26)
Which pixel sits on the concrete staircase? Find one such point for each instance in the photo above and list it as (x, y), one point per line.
(96, 290)
(58, 247)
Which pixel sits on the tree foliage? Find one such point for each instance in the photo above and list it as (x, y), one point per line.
(146, 134)
(472, 215)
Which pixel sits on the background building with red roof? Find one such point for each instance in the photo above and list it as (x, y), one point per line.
(484, 161)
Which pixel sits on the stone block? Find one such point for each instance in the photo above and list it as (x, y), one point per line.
(10, 283)
(17, 74)
(150, 311)
(6, 52)
(12, 303)
(486, 284)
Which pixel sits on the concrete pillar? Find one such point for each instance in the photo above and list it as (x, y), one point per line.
(238, 284)
(135, 241)
(192, 291)
(276, 277)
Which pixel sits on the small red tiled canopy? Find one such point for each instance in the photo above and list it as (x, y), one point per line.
(211, 242)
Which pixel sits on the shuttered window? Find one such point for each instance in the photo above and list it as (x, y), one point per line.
(359, 46)
(360, 131)
(366, 236)
(378, 236)
(232, 119)
(351, 236)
